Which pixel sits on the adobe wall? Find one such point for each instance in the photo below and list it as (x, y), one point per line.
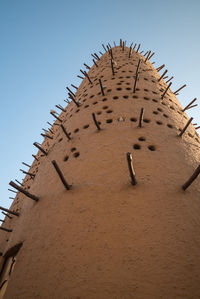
(105, 238)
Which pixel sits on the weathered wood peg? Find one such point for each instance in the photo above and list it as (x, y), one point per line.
(20, 189)
(123, 46)
(151, 56)
(73, 99)
(109, 46)
(162, 97)
(146, 53)
(10, 196)
(70, 91)
(88, 78)
(184, 129)
(138, 48)
(192, 106)
(49, 123)
(189, 104)
(95, 54)
(59, 172)
(149, 53)
(28, 173)
(191, 179)
(141, 52)
(9, 211)
(26, 164)
(2, 220)
(60, 107)
(130, 51)
(95, 121)
(34, 156)
(100, 52)
(40, 148)
(160, 67)
(162, 75)
(87, 66)
(53, 114)
(12, 190)
(134, 46)
(112, 67)
(104, 48)
(197, 128)
(6, 229)
(101, 86)
(114, 44)
(65, 132)
(5, 214)
(46, 136)
(80, 77)
(141, 117)
(74, 86)
(180, 89)
(165, 77)
(95, 62)
(131, 169)
(169, 79)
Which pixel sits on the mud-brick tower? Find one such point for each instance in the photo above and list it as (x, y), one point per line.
(88, 231)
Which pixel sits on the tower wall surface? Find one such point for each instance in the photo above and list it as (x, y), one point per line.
(105, 238)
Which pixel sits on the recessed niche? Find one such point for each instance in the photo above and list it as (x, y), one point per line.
(86, 106)
(125, 97)
(165, 115)
(159, 122)
(141, 138)
(154, 100)
(86, 126)
(76, 155)
(99, 112)
(146, 120)
(155, 112)
(76, 130)
(73, 149)
(66, 158)
(136, 146)
(133, 119)
(104, 99)
(170, 126)
(109, 111)
(151, 148)
(147, 99)
(109, 121)
(115, 98)
(119, 88)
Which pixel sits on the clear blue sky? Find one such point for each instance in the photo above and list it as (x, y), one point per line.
(44, 43)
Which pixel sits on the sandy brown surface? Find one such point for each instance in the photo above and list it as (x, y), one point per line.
(106, 238)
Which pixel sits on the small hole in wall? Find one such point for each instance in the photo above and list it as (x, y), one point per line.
(154, 100)
(86, 106)
(60, 140)
(135, 97)
(159, 122)
(190, 135)
(133, 119)
(125, 97)
(105, 107)
(119, 88)
(95, 103)
(73, 149)
(115, 98)
(109, 111)
(146, 120)
(159, 109)
(109, 121)
(136, 146)
(155, 112)
(99, 112)
(66, 158)
(141, 138)
(76, 155)
(165, 115)
(76, 130)
(151, 148)
(169, 126)
(105, 99)
(147, 99)
(86, 126)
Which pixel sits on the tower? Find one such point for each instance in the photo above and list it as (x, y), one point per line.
(80, 226)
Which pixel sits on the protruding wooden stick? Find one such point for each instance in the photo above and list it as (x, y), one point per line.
(46, 131)
(134, 46)
(147, 56)
(34, 156)
(73, 99)
(87, 66)
(165, 77)
(23, 191)
(180, 89)
(141, 52)
(6, 229)
(80, 77)
(104, 48)
(151, 56)
(120, 43)
(26, 164)
(13, 197)
(123, 46)
(74, 86)
(110, 46)
(162, 96)
(60, 107)
(88, 78)
(114, 44)
(197, 128)
(160, 67)
(40, 148)
(184, 129)
(145, 53)
(6, 215)
(95, 121)
(95, 62)
(95, 54)
(9, 211)
(111, 53)
(130, 51)
(49, 123)
(52, 113)
(67, 101)
(50, 131)
(169, 79)
(192, 106)
(63, 128)
(67, 186)
(101, 86)
(138, 48)
(2, 220)
(12, 190)
(162, 75)
(29, 173)
(191, 179)
(136, 76)
(131, 169)
(189, 104)
(113, 72)
(101, 53)
(141, 117)
(45, 135)
(70, 91)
